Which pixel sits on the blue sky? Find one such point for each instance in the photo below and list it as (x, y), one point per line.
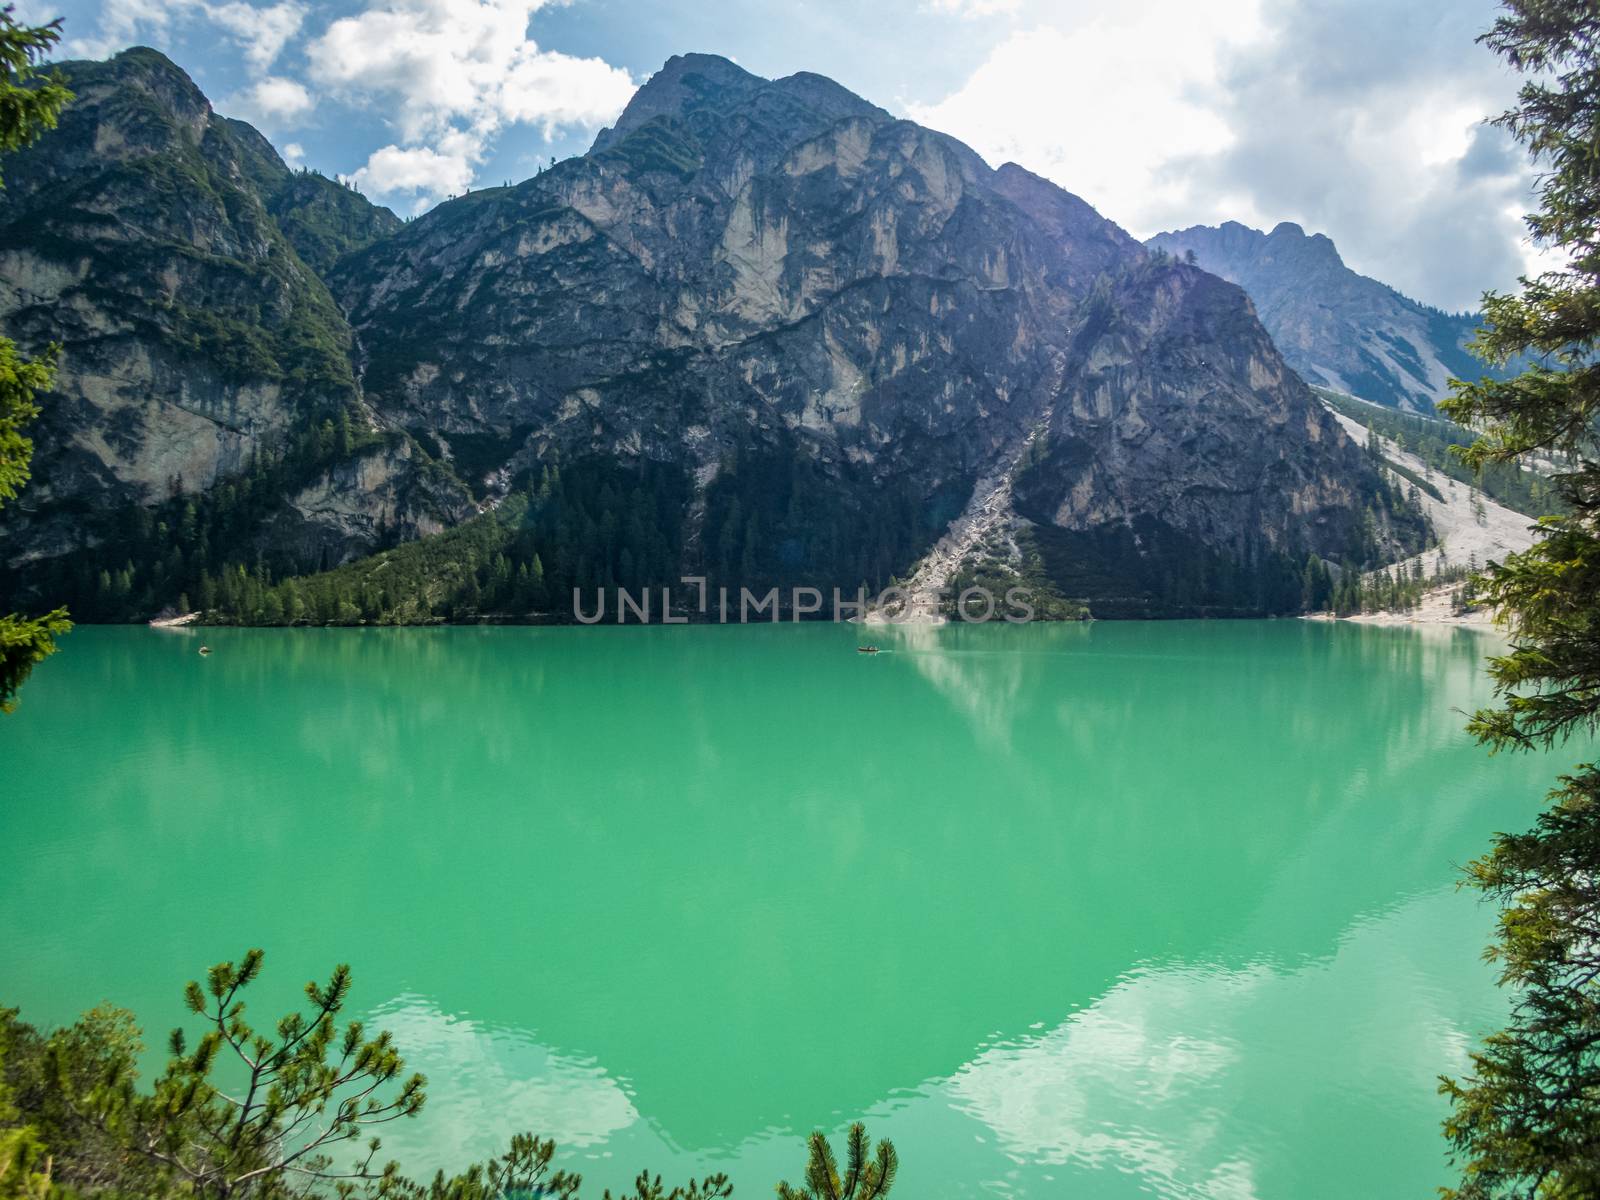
(1358, 118)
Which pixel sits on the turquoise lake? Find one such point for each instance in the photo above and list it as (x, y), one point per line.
(1091, 911)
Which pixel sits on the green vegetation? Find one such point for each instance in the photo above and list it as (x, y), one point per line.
(993, 568)
(595, 524)
(284, 326)
(460, 574)
(31, 100)
(867, 1175)
(29, 104)
(265, 316)
(290, 1110)
(778, 517)
(24, 642)
(137, 561)
(1439, 444)
(773, 518)
(326, 220)
(660, 144)
(1397, 588)
(1150, 569)
(1526, 1119)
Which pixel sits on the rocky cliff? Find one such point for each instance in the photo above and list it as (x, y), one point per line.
(169, 252)
(825, 337)
(1335, 327)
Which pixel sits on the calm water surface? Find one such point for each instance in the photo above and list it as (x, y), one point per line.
(1104, 911)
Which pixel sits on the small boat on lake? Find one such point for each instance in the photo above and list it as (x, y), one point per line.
(204, 650)
(866, 650)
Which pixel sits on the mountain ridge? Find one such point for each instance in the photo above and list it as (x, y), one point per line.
(1336, 327)
(762, 328)
(144, 235)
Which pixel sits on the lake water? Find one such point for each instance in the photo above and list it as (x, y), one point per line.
(1088, 911)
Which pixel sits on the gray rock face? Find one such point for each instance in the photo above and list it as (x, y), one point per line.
(1181, 409)
(1335, 327)
(779, 263)
(360, 502)
(741, 271)
(159, 245)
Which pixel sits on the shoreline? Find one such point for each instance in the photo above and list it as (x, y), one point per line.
(177, 622)
(1427, 616)
(1435, 609)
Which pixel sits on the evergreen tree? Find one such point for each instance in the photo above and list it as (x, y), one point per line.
(279, 1113)
(867, 1176)
(29, 104)
(24, 1162)
(1526, 1120)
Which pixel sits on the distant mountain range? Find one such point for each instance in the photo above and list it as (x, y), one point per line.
(1336, 328)
(763, 330)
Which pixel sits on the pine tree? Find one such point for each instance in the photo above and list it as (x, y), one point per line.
(24, 1159)
(1526, 1120)
(867, 1176)
(30, 102)
(278, 1112)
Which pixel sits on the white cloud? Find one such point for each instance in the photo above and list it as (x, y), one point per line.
(271, 102)
(261, 33)
(974, 8)
(1100, 100)
(454, 73)
(1366, 123)
(553, 90)
(418, 170)
(121, 23)
(294, 154)
(1356, 118)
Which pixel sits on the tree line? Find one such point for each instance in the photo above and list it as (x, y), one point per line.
(772, 517)
(1439, 444)
(596, 523)
(136, 561)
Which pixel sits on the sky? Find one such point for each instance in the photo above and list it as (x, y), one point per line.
(1361, 119)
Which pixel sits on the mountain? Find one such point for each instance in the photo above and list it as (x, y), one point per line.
(761, 330)
(1336, 328)
(168, 251)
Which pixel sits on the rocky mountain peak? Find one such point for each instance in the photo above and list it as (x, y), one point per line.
(685, 84)
(174, 257)
(1336, 327)
(694, 96)
(1067, 215)
(134, 105)
(152, 72)
(828, 98)
(1287, 237)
